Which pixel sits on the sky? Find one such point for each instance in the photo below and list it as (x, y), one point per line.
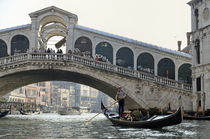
(158, 22)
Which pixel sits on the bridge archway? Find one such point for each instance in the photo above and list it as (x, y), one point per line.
(19, 44)
(166, 68)
(125, 57)
(3, 49)
(84, 44)
(145, 62)
(50, 27)
(29, 74)
(184, 73)
(105, 49)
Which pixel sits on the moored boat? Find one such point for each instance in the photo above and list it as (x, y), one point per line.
(153, 122)
(69, 111)
(189, 117)
(29, 113)
(2, 114)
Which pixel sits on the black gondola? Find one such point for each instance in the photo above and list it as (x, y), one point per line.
(2, 114)
(153, 122)
(186, 117)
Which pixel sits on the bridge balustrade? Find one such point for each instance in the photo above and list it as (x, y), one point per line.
(92, 63)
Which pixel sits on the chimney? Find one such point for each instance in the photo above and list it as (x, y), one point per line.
(179, 45)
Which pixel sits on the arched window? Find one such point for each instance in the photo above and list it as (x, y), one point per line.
(184, 73)
(166, 68)
(197, 50)
(125, 57)
(84, 45)
(105, 49)
(19, 44)
(196, 13)
(3, 49)
(145, 62)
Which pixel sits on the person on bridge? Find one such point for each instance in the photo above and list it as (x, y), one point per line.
(120, 98)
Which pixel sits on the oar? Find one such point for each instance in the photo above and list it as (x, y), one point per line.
(100, 112)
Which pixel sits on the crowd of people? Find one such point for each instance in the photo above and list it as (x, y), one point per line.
(87, 54)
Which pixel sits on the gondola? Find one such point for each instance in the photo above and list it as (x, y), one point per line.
(2, 114)
(186, 117)
(153, 122)
(28, 113)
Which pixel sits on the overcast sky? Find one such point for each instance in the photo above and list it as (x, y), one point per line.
(159, 22)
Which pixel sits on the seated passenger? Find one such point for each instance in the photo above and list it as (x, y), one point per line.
(137, 115)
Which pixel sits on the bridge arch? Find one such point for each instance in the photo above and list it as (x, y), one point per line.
(51, 19)
(33, 74)
(184, 73)
(166, 68)
(145, 62)
(3, 48)
(19, 44)
(125, 57)
(50, 26)
(84, 44)
(105, 49)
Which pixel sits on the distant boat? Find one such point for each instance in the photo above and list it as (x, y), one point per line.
(189, 117)
(2, 114)
(29, 113)
(153, 122)
(69, 111)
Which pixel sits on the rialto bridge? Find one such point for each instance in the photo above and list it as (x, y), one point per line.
(151, 76)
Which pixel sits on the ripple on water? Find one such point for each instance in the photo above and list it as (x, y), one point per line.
(74, 126)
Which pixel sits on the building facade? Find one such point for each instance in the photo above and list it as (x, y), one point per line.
(200, 41)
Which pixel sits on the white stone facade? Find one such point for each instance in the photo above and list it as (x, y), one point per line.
(200, 40)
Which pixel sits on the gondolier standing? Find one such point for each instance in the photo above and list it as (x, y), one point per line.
(120, 97)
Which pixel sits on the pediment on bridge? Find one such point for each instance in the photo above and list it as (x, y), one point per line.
(53, 9)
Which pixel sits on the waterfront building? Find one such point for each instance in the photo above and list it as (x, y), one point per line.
(200, 40)
(65, 97)
(17, 95)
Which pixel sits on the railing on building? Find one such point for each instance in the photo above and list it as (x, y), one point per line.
(92, 63)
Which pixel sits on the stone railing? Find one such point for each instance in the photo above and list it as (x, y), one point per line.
(92, 63)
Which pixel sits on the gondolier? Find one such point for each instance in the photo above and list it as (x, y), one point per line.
(120, 97)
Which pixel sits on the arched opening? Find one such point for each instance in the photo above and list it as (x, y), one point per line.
(197, 51)
(105, 49)
(184, 73)
(42, 75)
(53, 42)
(3, 49)
(19, 44)
(166, 68)
(145, 62)
(52, 34)
(83, 45)
(125, 58)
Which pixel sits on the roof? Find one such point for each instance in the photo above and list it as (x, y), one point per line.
(135, 41)
(36, 13)
(15, 28)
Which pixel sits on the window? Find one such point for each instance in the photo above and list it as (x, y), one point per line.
(198, 84)
(197, 50)
(199, 103)
(196, 18)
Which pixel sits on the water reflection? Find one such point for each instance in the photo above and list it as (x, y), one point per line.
(57, 126)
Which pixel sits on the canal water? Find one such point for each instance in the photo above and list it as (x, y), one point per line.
(54, 126)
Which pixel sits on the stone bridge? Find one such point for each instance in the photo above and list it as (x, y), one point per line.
(143, 89)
